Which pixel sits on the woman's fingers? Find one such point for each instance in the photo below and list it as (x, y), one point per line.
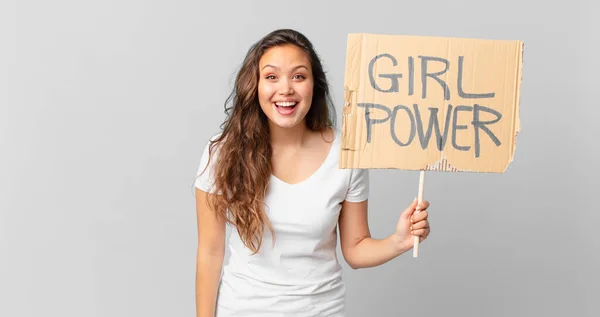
(419, 216)
(423, 205)
(420, 225)
(420, 232)
(420, 222)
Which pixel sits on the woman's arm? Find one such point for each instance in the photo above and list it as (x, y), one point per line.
(211, 251)
(362, 251)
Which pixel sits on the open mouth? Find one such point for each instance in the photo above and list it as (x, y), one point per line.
(286, 108)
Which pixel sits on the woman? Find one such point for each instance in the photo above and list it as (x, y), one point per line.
(272, 174)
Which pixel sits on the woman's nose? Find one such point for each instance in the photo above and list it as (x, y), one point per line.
(285, 88)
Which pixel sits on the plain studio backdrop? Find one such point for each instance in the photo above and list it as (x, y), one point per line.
(106, 105)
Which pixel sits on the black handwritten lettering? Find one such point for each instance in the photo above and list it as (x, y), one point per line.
(416, 125)
(461, 92)
(393, 124)
(411, 75)
(478, 124)
(456, 126)
(369, 120)
(433, 122)
(424, 74)
(394, 87)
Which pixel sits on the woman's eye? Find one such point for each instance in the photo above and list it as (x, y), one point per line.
(270, 77)
(299, 76)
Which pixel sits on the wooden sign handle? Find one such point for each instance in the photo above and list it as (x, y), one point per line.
(419, 199)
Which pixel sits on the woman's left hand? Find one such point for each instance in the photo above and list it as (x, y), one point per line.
(413, 222)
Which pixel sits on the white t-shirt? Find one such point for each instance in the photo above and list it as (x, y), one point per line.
(300, 275)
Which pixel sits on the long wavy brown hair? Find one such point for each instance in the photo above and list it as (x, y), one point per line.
(243, 167)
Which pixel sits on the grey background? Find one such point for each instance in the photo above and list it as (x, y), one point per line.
(105, 107)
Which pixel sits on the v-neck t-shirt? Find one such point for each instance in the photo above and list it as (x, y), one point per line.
(297, 273)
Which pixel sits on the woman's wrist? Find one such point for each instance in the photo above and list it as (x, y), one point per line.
(398, 245)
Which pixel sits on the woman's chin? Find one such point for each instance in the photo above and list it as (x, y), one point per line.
(287, 123)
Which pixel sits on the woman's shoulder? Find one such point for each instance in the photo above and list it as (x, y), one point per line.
(211, 139)
(214, 136)
(208, 150)
(336, 140)
(205, 172)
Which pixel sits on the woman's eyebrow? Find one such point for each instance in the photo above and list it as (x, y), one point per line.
(277, 68)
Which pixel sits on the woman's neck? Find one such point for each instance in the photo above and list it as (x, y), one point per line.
(288, 137)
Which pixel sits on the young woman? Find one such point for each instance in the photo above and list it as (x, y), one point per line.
(272, 174)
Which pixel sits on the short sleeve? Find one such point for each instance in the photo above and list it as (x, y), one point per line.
(358, 189)
(205, 174)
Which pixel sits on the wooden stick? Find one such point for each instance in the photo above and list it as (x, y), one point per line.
(419, 200)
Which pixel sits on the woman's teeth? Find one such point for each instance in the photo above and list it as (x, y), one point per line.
(285, 104)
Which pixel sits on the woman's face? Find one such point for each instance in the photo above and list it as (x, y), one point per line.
(285, 85)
